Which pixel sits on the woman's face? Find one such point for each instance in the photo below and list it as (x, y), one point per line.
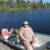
(26, 25)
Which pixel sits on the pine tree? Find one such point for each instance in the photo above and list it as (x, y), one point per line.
(28, 1)
(41, 1)
(18, 1)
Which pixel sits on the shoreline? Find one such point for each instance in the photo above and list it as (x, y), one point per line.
(19, 10)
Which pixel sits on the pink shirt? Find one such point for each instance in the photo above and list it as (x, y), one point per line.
(27, 32)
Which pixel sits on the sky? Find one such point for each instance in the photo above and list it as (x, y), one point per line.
(44, 1)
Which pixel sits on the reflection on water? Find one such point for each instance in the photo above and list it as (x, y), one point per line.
(39, 19)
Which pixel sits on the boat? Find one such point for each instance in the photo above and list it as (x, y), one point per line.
(12, 42)
(42, 42)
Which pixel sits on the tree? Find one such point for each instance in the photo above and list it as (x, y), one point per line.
(18, 1)
(41, 1)
(27, 1)
(12, 3)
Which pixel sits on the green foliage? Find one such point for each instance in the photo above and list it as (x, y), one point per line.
(5, 6)
(1, 3)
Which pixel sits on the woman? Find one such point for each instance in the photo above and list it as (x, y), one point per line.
(27, 35)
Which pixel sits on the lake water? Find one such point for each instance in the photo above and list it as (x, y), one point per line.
(39, 19)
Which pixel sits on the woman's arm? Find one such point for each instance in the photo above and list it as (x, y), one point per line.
(21, 36)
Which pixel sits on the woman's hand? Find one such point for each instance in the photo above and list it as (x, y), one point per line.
(27, 39)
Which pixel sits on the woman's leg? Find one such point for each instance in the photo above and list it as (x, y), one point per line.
(28, 45)
(33, 42)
